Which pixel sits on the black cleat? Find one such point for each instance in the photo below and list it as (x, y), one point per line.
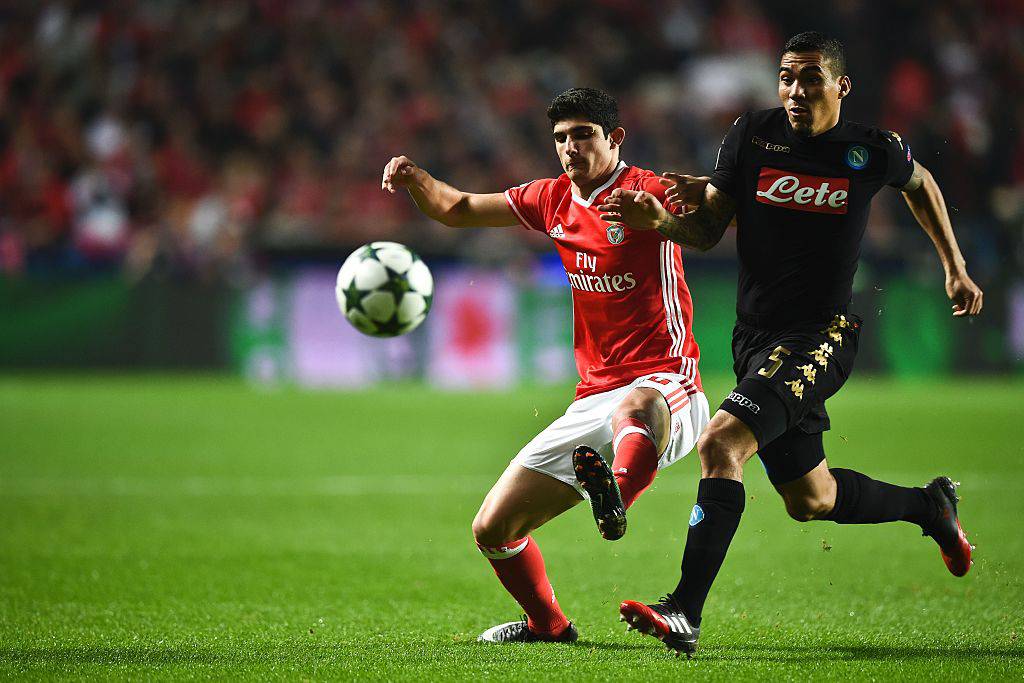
(519, 632)
(953, 544)
(665, 621)
(596, 478)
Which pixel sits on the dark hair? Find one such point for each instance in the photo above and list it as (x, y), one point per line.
(813, 41)
(591, 104)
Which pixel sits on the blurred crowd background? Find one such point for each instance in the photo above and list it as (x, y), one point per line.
(192, 135)
(212, 140)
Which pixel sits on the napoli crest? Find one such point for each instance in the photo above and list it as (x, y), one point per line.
(616, 233)
(857, 157)
(696, 515)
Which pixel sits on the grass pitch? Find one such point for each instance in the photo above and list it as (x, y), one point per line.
(195, 527)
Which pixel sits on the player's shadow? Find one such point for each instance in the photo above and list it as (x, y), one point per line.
(622, 647)
(584, 644)
(825, 651)
(113, 656)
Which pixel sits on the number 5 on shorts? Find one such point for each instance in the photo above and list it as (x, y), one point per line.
(776, 362)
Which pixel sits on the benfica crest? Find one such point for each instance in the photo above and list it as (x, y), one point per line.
(616, 233)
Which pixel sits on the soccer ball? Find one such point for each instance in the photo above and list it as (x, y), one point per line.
(384, 289)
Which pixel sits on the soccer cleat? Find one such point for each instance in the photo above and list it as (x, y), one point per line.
(596, 478)
(953, 544)
(519, 632)
(665, 621)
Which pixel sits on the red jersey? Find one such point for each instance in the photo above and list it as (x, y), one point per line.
(632, 311)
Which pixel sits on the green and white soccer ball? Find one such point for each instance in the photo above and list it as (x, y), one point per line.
(384, 289)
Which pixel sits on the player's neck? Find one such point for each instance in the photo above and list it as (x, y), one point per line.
(826, 125)
(584, 190)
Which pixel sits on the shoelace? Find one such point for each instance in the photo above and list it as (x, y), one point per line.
(670, 602)
(513, 628)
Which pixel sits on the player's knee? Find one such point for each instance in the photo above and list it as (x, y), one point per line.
(717, 456)
(490, 530)
(807, 508)
(628, 411)
(637, 408)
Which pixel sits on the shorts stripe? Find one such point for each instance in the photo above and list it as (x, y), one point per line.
(673, 407)
(671, 396)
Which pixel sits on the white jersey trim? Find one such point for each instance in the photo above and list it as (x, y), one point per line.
(670, 299)
(593, 195)
(515, 210)
(674, 281)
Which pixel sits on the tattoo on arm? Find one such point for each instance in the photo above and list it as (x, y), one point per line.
(916, 178)
(703, 228)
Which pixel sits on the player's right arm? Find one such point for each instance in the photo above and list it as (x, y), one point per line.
(444, 203)
(702, 228)
(699, 229)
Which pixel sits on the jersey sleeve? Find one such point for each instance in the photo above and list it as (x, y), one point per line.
(900, 162)
(530, 202)
(727, 171)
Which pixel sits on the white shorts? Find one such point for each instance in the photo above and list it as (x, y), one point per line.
(589, 421)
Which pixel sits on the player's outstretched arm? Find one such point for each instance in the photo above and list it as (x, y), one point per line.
(682, 190)
(925, 200)
(700, 229)
(444, 203)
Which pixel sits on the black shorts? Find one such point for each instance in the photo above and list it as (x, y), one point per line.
(783, 379)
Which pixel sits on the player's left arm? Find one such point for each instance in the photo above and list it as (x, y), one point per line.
(925, 200)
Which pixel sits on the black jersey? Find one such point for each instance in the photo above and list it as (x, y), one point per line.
(801, 208)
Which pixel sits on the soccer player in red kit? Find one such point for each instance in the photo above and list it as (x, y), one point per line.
(639, 402)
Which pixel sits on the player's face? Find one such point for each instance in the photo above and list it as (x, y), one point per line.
(584, 151)
(810, 92)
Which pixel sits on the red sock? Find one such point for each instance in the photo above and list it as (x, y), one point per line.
(636, 459)
(520, 568)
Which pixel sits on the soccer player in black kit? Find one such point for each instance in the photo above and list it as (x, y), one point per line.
(799, 179)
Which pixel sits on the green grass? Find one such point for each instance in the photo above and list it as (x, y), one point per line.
(194, 527)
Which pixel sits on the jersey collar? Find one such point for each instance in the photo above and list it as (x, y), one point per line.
(594, 195)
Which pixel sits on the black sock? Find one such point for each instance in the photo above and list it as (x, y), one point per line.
(863, 500)
(713, 523)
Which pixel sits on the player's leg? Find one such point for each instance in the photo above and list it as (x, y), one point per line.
(812, 491)
(724, 448)
(641, 426)
(519, 502)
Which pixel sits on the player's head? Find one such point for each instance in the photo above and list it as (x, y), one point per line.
(813, 81)
(585, 124)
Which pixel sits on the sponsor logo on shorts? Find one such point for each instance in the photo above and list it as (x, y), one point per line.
(743, 401)
(696, 515)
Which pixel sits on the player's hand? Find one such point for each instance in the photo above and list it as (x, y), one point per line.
(637, 209)
(684, 190)
(398, 173)
(965, 295)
